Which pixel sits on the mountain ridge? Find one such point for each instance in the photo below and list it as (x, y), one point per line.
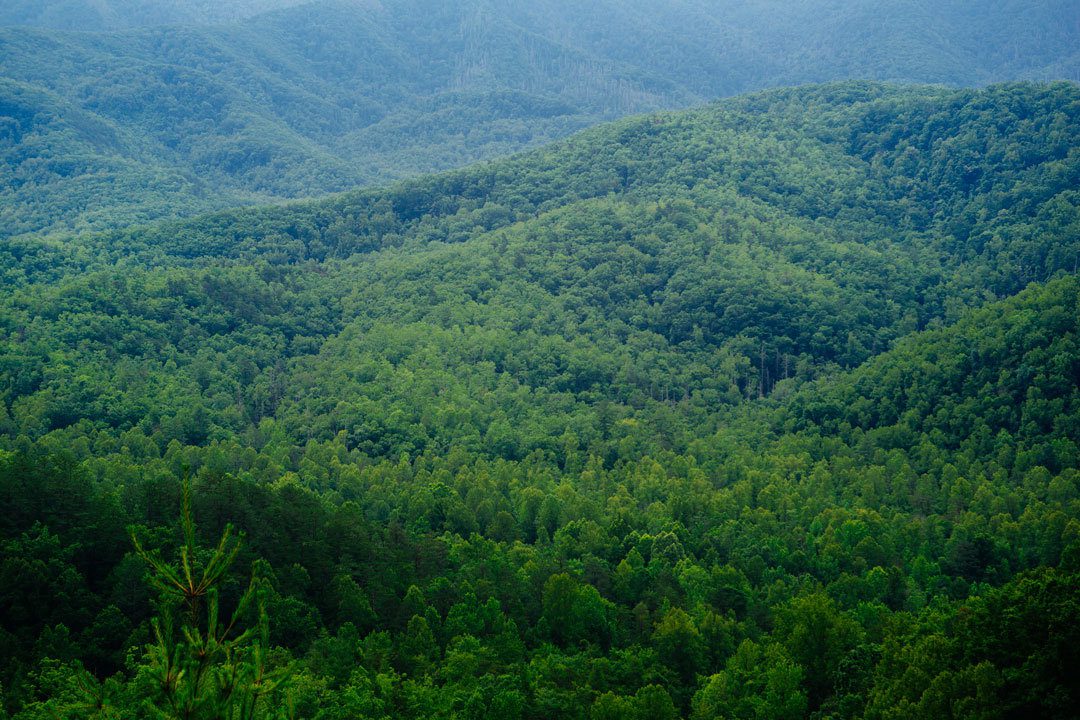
(762, 409)
(832, 237)
(322, 97)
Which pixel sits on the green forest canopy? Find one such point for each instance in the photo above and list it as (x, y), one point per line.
(762, 410)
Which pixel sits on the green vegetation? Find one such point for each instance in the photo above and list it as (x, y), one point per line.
(765, 410)
(109, 129)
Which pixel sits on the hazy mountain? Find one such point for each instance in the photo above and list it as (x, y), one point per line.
(96, 15)
(106, 129)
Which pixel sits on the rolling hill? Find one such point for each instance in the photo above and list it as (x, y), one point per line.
(704, 256)
(762, 409)
(177, 108)
(767, 408)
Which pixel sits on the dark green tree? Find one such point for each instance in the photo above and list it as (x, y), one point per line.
(205, 664)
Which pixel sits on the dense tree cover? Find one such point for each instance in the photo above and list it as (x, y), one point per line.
(102, 130)
(766, 410)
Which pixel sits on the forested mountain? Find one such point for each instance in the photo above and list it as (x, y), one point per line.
(766, 409)
(177, 112)
(97, 15)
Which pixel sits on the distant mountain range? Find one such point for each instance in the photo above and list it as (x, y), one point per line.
(171, 109)
(98, 15)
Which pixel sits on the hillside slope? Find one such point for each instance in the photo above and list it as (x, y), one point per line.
(764, 409)
(668, 259)
(874, 568)
(109, 129)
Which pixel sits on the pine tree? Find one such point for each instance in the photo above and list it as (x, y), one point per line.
(201, 667)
